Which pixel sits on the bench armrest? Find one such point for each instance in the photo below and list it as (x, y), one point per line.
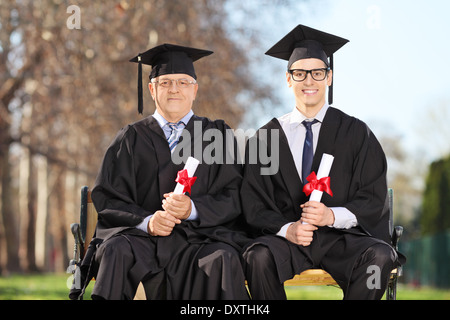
(398, 231)
(78, 248)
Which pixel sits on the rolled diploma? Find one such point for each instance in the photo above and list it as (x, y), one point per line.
(324, 170)
(190, 166)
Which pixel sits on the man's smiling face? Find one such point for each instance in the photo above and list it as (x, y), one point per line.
(173, 102)
(309, 93)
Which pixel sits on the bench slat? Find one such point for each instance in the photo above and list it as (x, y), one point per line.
(311, 277)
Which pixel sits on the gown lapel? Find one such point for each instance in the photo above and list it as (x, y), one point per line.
(287, 166)
(327, 135)
(166, 168)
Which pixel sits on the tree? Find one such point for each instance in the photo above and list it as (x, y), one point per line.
(436, 201)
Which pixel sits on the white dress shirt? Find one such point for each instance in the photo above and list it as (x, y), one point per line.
(295, 132)
(167, 131)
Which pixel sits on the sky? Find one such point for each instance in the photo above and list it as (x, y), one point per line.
(392, 74)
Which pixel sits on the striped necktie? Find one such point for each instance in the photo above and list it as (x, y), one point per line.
(308, 151)
(175, 132)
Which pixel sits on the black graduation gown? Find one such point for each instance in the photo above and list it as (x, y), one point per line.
(358, 182)
(137, 170)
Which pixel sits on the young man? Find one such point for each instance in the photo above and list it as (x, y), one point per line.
(180, 246)
(344, 233)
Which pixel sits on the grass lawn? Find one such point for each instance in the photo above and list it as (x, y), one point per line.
(333, 293)
(36, 287)
(54, 287)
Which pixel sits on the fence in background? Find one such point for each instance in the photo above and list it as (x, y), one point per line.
(428, 260)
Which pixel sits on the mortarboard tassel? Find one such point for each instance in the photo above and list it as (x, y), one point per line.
(140, 98)
(330, 89)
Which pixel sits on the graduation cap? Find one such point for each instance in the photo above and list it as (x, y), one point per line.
(167, 59)
(304, 42)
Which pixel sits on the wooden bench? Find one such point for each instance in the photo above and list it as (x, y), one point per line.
(84, 231)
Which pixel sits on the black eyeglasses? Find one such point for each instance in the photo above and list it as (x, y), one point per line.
(316, 74)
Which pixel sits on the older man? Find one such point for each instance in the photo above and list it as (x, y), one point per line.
(180, 246)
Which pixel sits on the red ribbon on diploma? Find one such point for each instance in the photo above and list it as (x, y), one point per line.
(183, 178)
(322, 184)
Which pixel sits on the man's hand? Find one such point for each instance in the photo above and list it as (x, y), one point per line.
(301, 234)
(162, 224)
(178, 205)
(317, 213)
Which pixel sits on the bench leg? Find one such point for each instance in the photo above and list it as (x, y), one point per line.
(391, 292)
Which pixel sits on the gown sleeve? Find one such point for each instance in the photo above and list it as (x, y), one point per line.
(368, 186)
(114, 193)
(260, 199)
(220, 202)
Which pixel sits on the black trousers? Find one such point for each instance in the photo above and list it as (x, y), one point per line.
(202, 271)
(217, 274)
(368, 278)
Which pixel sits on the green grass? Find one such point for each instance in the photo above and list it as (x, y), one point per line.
(36, 287)
(334, 293)
(54, 287)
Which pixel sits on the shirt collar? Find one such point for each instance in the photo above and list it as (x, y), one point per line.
(162, 121)
(297, 117)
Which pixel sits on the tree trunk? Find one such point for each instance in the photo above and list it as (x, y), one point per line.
(10, 228)
(31, 225)
(42, 254)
